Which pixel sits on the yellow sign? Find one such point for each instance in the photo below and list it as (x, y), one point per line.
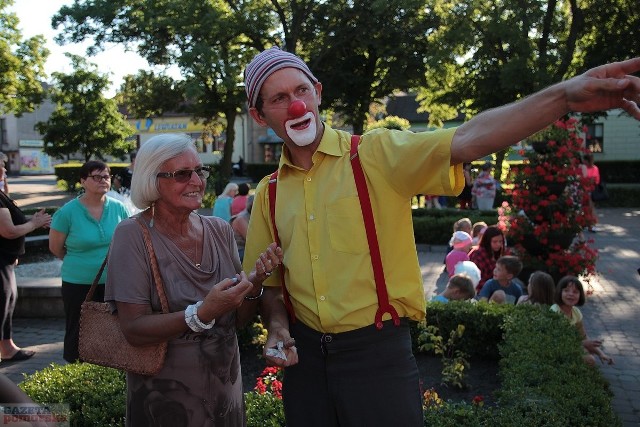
(166, 124)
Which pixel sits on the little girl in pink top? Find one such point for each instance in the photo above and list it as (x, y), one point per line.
(461, 242)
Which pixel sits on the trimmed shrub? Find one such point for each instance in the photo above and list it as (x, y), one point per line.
(96, 396)
(264, 410)
(545, 381)
(483, 324)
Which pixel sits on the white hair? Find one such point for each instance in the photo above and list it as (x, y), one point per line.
(230, 186)
(151, 156)
(470, 269)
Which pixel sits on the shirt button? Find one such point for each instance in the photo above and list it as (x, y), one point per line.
(309, 178)
(311, 217)
(316, 257)
(322, 298)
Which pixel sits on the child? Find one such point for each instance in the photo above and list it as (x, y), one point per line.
(503, 288)
(491, 247)
(463, 224)
(569, 296)
(470, 269)
(460, 287)
(541, 289)
(477, 231)
(461, 244)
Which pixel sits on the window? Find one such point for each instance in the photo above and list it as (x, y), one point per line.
(595, 140)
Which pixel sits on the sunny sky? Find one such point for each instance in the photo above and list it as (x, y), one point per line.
(35, 18)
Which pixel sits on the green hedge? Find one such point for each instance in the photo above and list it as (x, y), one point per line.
(96, 396)
(545, 381)
(619, 171)
(435, 226)
(621, 197)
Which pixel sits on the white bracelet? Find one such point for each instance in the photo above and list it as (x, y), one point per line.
(193, 322)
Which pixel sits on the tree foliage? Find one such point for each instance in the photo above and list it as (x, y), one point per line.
(206, 40)
(21, 65)
(148, 94)
(613, 34)
(487, 54)
(362, 51)
(84, 120)
(464, 57)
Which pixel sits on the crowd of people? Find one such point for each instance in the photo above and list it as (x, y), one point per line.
(327, 268)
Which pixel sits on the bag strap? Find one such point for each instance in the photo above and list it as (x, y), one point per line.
(372, 237)
(157, 278)
(92, 290)
(273, 185)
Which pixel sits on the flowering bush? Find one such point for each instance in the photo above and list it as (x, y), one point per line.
(550, 199)
(270, 382)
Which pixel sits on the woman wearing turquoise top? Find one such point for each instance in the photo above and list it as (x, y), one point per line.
(80, 235)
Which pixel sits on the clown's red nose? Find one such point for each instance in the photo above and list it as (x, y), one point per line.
(297, 109)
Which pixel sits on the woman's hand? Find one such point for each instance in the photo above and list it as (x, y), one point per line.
(226, 295)
(40, 219)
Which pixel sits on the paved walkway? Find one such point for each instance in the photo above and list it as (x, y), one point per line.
(611, 313)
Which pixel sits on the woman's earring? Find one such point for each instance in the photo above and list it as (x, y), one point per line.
(153, 214)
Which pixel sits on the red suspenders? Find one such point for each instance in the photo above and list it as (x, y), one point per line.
(374, 249)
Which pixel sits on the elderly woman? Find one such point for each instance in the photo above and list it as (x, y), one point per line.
(80, 236)
(222, 205)
(208, 294)
(14, 225)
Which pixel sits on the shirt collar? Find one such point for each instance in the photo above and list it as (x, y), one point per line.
(329, 145)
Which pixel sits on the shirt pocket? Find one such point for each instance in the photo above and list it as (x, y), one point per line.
(346, 227)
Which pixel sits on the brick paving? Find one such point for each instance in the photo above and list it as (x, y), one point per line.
(611, 313)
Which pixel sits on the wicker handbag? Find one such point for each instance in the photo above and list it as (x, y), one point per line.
(101, 339)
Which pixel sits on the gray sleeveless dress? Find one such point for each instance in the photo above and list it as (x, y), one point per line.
(200, 383)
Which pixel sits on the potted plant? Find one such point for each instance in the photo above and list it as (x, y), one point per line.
(545, 221)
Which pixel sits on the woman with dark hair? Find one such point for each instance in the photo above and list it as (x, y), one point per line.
(491, 247)
(80, 235)
(14, 225)
(239, 202)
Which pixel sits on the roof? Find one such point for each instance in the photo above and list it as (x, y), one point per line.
(406, 106)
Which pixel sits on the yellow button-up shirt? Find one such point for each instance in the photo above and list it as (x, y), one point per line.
(328, 269)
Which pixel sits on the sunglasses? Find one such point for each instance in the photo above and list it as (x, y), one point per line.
(100, 178)
(184, 175)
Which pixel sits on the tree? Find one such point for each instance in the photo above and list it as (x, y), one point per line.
(486, 54)
(21, 65)
(362, 51)
(147, 94)
(613, 33)
(84, 121)
(207, 40)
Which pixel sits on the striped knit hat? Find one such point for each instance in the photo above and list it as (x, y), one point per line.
(266, 63)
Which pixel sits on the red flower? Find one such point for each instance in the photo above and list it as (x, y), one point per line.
(270, 382)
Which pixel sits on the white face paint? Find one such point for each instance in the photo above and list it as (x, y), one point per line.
(305, 136)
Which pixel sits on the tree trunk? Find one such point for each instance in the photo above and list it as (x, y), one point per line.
(226, 162)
